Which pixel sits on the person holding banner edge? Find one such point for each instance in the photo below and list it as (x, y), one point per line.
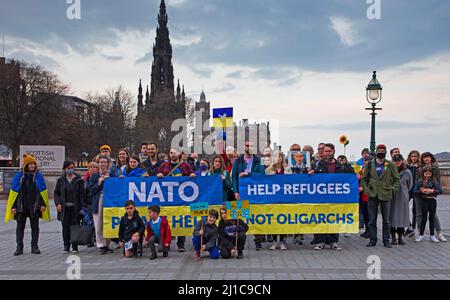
(329, 165)
(176, 167)
(247, 164)
(278, 167)
(96, 189)
(217, 168)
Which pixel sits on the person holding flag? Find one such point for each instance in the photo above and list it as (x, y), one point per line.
(28, 198)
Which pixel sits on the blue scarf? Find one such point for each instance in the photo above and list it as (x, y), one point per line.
(138, 172)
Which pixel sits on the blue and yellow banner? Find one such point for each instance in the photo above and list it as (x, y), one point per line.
(290, 204)
(173, 194)
(223, 117)
(280, 204)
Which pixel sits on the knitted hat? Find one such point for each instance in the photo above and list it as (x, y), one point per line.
(28, 159)
(105, 147)
(381, 146)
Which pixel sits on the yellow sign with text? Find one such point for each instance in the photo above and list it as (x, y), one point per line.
(264, 219)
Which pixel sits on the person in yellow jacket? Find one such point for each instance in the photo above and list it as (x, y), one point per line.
(28, 198)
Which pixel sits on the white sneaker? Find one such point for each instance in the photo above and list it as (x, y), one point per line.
(319, 246)
(283, 246)
(441, 237)
(434, 239)
(274, 246)
(419, 239)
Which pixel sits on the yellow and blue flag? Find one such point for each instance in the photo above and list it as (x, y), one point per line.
(15, 189)
(223, 117)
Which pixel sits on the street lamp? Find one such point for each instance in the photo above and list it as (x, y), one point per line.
(374, 93)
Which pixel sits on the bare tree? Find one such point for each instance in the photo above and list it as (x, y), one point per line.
(114, 117)
(29, 98)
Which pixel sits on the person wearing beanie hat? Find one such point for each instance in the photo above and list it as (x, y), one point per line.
(381, 147)
(69, 196)
(28, 198)
(106, 150)
(364, 153)
(379, 182)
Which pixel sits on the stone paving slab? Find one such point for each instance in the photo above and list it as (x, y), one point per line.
(411, 262)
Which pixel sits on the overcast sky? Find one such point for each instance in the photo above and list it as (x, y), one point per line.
(304, 64)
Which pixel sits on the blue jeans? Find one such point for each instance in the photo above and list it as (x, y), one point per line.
(213, 252)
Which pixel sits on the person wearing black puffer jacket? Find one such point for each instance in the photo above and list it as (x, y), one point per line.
(70, 198)
(131, 229)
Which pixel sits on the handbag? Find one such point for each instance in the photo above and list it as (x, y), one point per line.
(81, 234)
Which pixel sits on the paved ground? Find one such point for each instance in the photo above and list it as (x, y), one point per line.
(413, 261)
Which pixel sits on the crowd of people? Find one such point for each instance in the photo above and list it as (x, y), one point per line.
(385, 185)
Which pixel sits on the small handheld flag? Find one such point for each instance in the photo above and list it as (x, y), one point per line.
(223, 117)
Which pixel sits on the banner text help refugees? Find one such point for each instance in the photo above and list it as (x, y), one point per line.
(281, 204)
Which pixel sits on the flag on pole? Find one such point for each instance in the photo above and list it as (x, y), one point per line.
(223, 117)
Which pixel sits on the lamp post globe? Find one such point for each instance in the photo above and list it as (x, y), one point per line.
(374, 93)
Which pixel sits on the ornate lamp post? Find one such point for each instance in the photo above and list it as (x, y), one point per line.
(373, 94)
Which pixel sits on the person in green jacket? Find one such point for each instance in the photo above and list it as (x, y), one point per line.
(217, 168)
(380, 181)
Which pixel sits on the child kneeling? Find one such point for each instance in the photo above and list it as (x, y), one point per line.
(205, 236)
(158, 232)
(131, 230)
(231, 236)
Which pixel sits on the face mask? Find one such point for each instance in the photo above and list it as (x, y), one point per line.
(203, 167)
(381, 155)
(70, 172)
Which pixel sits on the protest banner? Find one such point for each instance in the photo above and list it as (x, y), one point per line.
(282, 204)
(292, 204)
(173, 194)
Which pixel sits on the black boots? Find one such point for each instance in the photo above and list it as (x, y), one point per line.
(394, 239)
(400, 240)
(387, 244)
(35, 250)
(372, 244)
(19, 251)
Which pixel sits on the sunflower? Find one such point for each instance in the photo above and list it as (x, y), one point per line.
(343, 140)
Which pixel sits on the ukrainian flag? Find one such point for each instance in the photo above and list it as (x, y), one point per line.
(15, 189)
(223, 117)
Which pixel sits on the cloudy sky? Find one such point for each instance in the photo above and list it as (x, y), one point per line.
(303, 64)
